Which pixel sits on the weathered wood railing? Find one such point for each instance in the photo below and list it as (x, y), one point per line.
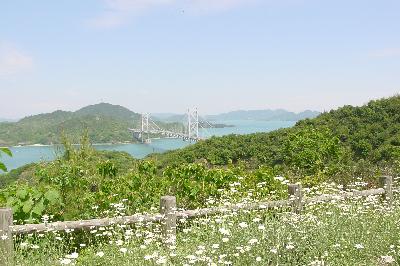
(168, 215)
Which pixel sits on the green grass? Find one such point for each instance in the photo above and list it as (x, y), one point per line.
(353, 232)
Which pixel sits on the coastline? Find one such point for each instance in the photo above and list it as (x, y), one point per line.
(74, 144)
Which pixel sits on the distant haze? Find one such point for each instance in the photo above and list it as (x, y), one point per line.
(7, 120)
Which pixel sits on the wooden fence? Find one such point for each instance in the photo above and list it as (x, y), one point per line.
(168, 215)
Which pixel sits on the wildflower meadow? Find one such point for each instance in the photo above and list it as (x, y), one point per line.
(357, 231)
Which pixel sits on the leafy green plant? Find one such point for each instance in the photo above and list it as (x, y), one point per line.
(7, 152)
(32, 202)
(311, 151)
(107, 169)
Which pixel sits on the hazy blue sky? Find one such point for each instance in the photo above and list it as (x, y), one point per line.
(218, 55)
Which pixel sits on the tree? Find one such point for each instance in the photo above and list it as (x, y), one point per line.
(311, 151)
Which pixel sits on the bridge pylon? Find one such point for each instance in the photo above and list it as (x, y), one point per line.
(193, 124)
(145, 128)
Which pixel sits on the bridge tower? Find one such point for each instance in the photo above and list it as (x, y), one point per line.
(145, 128)
(193, 124)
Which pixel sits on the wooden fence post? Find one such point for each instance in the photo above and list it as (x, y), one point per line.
(387, 184)
(6, 238)
(168, 209)
(296, 195)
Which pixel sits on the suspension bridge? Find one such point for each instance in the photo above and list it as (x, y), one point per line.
(149, 128)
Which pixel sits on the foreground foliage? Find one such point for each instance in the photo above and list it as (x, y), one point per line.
(70, 186)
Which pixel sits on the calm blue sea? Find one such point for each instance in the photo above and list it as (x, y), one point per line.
(28, 154)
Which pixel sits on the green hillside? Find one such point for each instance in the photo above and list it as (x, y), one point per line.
(105, 122)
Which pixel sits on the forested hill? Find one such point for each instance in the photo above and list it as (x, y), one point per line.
(370, 133)
(105, 122)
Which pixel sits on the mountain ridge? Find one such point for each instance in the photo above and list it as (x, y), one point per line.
(264, 115)
(261, 114)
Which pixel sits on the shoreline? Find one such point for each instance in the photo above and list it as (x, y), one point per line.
(74, 144)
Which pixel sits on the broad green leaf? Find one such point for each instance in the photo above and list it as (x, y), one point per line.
(38, 208)
(52, 196)
(37, 194)
(21, 193)
(26, 208)
(11, 201)
(6, 151)
(16, 208)
(3, 167)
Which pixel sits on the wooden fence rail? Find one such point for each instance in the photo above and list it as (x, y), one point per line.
(168, 215)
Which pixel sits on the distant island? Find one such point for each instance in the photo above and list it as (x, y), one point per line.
(2, 119)
(220, 125)
(263, 115)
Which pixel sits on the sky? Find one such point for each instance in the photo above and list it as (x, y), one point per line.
(216, 55)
